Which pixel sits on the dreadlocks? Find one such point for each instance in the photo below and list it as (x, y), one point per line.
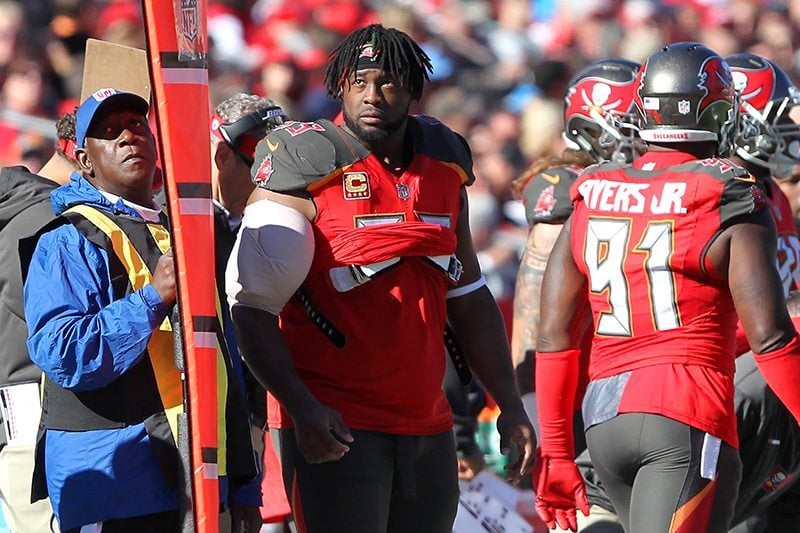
(394, 52)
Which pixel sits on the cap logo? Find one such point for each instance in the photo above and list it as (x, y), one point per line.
(102, 94)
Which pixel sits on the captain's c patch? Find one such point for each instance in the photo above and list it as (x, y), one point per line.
(356, 186)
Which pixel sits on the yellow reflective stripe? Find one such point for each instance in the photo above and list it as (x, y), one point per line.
(168, 378)
(161, 345)
(222, 400)
(138, 273)
(161, 236)
(222, 392)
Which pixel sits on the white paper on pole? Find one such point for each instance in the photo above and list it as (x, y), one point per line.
(487, 503)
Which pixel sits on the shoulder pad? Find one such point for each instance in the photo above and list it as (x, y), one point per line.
(546, 196)
(297, 154)
(437, 141)
(718, 168)
(742, 194)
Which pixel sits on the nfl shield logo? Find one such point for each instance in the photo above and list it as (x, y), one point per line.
(189, 19)
(684, 107)
(402, 191)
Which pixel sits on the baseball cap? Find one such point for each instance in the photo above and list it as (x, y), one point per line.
(89, 108)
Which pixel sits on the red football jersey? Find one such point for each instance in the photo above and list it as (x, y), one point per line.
(788, 241)
(388, 374)
(640, 234)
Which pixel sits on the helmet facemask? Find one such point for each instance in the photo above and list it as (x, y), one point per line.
(769, 138)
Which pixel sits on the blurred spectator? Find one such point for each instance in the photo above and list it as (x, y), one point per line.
(281, 80)
(226, 34)
(24, 86)
(541, 129)
(11, 18)
(121, 22)
(22, 100)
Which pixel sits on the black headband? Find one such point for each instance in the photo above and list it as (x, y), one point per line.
(371, 57)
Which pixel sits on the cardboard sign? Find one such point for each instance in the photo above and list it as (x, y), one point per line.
(113, 65)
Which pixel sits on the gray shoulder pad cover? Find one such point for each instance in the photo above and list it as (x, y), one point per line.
(294, 156)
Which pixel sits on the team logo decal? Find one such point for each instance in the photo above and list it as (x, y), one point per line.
(189, 19)
(403, 191)
(599, 95)
(716, 81)
(546, 202)
(264, 171)
(684, 107)
(368, 51)
(755, 85)
(356, 186)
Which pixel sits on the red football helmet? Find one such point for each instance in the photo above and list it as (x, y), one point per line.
(767, 136)
(597, 110)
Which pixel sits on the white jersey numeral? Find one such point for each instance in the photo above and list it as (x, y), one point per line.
(605, 253)
(657, 244)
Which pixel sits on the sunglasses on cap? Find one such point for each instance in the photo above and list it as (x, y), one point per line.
(243, 135)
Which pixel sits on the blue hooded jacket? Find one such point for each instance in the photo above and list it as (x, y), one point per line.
(83, 339)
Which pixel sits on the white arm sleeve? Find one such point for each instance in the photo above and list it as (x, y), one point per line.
(270, 258)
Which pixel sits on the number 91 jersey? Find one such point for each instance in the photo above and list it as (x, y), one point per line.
(640, 233)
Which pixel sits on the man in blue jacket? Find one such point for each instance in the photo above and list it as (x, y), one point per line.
(97, 295)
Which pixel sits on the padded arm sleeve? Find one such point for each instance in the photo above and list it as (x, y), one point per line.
(781, 369)
(556, 383)
(271, 257)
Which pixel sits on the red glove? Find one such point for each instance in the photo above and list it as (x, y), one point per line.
(559, 490)
(781, 370)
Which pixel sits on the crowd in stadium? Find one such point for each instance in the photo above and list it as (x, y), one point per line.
(530, 88)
